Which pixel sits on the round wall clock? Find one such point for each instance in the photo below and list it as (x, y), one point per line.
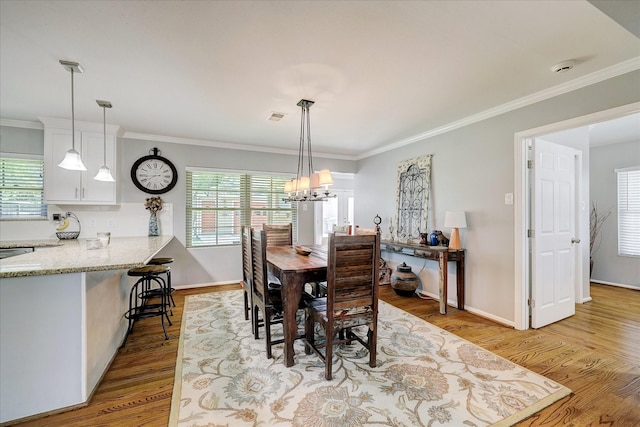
(154, 174)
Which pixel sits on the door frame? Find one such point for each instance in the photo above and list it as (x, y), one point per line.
(522, 206)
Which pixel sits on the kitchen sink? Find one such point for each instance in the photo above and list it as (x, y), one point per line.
(9, 252)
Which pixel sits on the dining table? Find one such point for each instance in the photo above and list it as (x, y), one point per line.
(294, 269)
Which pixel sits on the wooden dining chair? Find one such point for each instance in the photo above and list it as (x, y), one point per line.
(247, 271)
(278, 235)
(351, 301)
(266, 299)
(362, 231)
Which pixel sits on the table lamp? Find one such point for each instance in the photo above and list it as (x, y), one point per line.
(455, 220)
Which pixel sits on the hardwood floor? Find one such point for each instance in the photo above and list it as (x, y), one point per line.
(595, 353)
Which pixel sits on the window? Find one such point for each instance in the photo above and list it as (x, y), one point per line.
(21, 187)
(629, 211)
(219, 203)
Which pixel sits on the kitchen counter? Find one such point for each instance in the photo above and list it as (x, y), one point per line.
(61, 320)
(72, 256)
(9, 244)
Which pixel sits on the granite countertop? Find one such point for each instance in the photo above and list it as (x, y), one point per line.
(72, 256)
(9, 244)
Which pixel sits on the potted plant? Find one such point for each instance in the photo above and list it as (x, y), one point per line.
(596, 220)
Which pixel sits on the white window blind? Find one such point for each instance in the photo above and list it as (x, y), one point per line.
(219, 203)
(21, 188)
(629, 211)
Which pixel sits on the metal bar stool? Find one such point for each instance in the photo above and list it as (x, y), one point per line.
(164, 261)
(142, 291)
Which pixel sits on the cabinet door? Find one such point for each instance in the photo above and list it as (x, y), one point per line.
(60, 185)
(93, 156)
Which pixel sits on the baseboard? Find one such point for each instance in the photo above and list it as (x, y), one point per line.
(619, 285)
(471, 310)
(204, 285)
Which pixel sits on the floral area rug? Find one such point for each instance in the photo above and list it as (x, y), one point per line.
(424, 376)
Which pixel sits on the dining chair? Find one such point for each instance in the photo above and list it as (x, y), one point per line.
(341, 230)
(362, 231)
(265, 299)
(247, 271)
(351, 301)
(278, 235)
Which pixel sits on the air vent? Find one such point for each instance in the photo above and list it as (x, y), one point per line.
(275, 117)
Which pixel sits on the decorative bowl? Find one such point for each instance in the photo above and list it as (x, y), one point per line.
(301, 250)
(67, 235)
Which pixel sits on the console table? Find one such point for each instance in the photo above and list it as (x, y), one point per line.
(436, 253)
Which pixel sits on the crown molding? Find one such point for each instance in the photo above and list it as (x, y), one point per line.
(227, 145)
(21, 124)
(628, 66)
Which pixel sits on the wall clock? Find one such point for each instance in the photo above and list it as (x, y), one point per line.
(154, 174)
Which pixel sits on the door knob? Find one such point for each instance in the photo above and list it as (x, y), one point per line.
(575, 240)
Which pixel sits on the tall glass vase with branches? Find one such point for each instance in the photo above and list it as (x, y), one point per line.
(596, 221)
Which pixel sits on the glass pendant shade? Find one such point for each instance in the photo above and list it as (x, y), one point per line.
(104, 174)
(72, 161)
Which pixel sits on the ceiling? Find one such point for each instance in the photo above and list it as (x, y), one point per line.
(381, 73)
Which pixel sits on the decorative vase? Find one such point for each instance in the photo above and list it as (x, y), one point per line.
(403, 281)
(433, 238)
(154, 228)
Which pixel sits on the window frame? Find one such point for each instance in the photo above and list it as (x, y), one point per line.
(43, 208)
(628, 210)
(238, 205)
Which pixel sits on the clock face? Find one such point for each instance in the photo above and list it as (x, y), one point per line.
(154, 174)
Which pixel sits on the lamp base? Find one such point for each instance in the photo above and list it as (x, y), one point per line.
(454, 243)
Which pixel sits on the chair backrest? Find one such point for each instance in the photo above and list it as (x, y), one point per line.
(363, 231)
(278, 235)
(341, 230)
(259, 265)
(352, 273)
(247, 269)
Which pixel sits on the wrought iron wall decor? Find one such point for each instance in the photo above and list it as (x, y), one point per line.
(412, 197)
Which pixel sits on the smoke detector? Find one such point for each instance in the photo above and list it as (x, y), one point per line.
(564, 66)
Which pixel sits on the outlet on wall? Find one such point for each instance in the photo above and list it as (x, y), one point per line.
(92, 223)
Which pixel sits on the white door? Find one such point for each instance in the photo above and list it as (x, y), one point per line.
(334, 211)
(553, 258)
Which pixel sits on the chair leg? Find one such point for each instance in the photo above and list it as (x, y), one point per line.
(246, 305)
(267, 331)
(373, 345)
(328, 353)
(308, 331)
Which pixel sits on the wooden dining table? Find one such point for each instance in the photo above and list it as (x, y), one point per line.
(294, 270)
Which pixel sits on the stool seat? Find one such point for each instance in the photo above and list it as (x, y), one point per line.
(160, 260)
(142, 292)
(147, 269)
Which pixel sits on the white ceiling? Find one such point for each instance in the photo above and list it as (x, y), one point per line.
(381, 73)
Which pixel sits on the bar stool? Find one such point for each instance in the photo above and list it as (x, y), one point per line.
(164, 261)
(142, 291)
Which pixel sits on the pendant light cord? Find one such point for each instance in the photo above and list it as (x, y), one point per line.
(73, 115)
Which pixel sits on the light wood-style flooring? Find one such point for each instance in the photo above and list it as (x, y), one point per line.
(595, 353)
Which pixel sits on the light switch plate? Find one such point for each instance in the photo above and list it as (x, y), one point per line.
(508, 198)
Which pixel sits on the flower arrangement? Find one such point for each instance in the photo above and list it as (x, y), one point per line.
(153, 204)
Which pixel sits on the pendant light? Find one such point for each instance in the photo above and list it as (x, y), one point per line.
(304, 188)
(104, 174)
(72, 159)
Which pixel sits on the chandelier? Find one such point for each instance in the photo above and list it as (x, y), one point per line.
(307, 188)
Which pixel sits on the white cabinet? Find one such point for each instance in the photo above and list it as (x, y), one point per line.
(62, 186)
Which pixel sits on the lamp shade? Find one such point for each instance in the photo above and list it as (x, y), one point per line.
(455, 219)
(325, 177)
(104, 174)
(72, 161)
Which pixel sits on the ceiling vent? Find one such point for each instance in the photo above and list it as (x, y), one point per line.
(564, 66)
(275, 117)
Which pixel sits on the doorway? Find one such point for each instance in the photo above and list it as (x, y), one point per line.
(523, 202)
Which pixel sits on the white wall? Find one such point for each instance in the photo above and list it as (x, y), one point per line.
(472, 169)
